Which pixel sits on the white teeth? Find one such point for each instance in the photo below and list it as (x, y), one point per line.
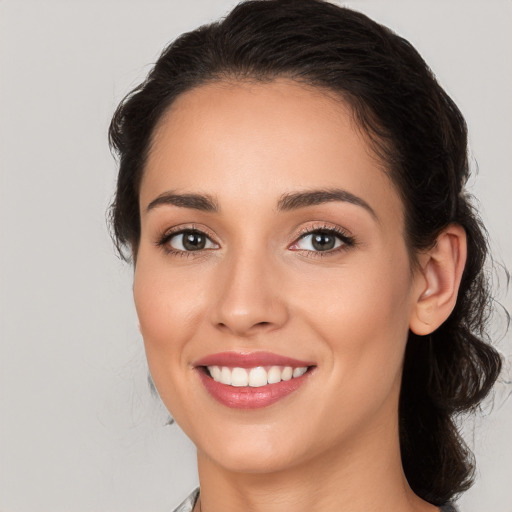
(287, 373)
(257, 377)
(239, 377)
(215, 373)
(274, 375)
(297, 372)
(225, 376)
(254, 377)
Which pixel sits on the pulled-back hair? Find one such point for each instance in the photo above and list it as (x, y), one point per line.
(414, 128)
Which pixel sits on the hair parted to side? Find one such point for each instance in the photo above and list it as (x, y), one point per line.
(420, 135)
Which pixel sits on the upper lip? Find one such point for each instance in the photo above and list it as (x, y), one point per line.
(250, 360)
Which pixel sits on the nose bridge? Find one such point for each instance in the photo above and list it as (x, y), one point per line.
(248, 296)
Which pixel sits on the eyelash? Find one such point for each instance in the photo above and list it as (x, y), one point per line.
(164, 240)
(347, 240)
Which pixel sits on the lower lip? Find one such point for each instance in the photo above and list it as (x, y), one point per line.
(248, 397)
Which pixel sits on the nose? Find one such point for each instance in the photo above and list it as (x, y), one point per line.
(248, 294)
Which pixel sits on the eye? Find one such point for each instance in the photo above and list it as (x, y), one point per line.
(322, 240)
(189, 240)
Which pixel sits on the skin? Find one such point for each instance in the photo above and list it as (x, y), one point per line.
(259, 286)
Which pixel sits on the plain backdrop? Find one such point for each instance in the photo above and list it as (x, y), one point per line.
(79, 429)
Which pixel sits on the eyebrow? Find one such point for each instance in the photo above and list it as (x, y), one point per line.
(294, 201)
(202, 202)
(287, 202)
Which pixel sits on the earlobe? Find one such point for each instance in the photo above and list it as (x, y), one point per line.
(438, 280)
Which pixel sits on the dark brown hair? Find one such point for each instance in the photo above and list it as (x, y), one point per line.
(414, 127)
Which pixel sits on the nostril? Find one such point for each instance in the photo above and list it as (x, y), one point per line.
(263, 324)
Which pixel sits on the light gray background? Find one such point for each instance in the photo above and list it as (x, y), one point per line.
(79, 430)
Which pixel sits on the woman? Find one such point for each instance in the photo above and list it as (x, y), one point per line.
(308, 267)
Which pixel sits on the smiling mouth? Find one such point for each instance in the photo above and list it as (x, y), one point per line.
(252, 380)
(255, 377)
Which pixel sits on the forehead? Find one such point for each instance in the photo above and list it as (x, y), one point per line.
(252, 142)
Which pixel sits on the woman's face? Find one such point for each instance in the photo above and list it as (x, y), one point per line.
(272, 242)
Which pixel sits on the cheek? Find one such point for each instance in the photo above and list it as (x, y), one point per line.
(373, 288)
(362, 314)
(364, 324)
(168, 305)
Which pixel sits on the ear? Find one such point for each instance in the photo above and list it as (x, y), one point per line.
(438, 279)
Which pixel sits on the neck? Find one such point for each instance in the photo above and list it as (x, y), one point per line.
(365, 474)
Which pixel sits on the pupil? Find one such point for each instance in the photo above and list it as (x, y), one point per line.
(323, 242)
(194, 241)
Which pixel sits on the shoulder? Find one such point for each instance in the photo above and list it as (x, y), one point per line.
(188, 503)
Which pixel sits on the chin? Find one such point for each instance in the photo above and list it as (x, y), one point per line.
(251, 462)
(251, 455)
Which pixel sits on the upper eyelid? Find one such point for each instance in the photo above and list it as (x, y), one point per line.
(337, 230)
(177, 230)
